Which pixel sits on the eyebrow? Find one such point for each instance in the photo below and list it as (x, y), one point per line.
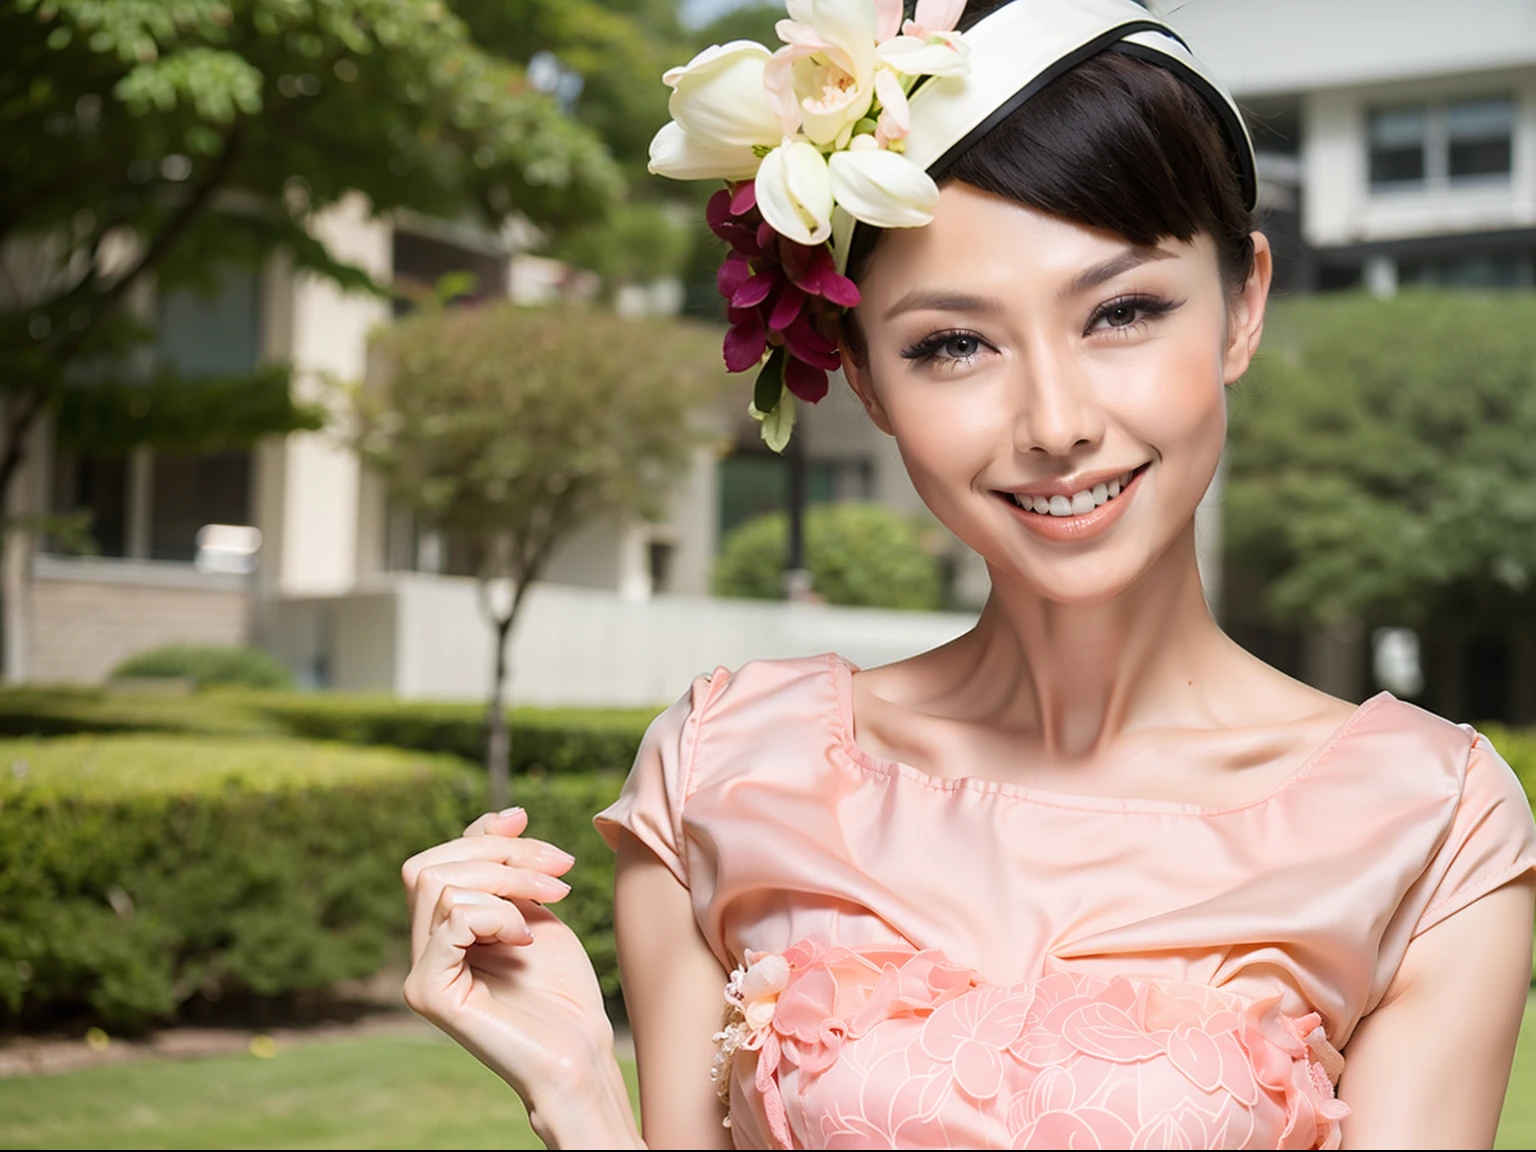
(941, 301)
(1133, 257)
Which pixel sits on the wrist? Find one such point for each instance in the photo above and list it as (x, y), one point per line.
(589, 1109)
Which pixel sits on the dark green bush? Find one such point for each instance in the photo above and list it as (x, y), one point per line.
(67, 711)
(140, 873)
(543, 739)
(205, 664)
(859, 554)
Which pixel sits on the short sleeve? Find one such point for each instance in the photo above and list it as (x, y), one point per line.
(651, 804)
(1492, 838)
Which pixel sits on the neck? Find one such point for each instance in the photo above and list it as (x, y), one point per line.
(1079, 674)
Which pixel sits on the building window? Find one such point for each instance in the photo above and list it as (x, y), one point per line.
(1479, 135)
(1422, 145)
(1398, 145)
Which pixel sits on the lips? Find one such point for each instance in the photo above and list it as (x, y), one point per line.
(1076, 514)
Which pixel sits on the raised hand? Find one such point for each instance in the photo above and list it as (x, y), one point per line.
(506, 979)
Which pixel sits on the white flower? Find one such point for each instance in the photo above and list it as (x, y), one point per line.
(825, 73)
(676, 154)
(881, 188)
(719, 99)
(934, 16)
(794, 192)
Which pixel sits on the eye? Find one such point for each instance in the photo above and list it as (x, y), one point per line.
(1128, 311)
(948, 346)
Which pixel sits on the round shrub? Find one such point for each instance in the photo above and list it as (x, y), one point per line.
(859, 554)
(205, 664)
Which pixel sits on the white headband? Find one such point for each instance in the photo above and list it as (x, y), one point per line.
(1022, 47)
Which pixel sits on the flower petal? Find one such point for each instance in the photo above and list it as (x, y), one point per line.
(794, 193)
(938, 15)
(719, 97)
(745, 344)
(786, 309)
(676, 154)
(887, 18)
(943, 55)
(882, 188)
(895, 114)
(806, 381)
(754, 291)
(732, 275)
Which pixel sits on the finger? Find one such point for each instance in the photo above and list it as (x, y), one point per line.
(473, 918)
(514, 850)
(473, 875)
(507, 822)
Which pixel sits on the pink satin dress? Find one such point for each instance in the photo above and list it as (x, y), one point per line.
(938, 963)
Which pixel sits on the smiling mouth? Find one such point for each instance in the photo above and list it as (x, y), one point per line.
(1079, 503)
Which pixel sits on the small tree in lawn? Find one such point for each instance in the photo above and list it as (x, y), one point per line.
(509, 428)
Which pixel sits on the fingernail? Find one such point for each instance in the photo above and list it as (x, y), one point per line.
(549, 854)
(512, 811)
(551, 886)
(473, 896)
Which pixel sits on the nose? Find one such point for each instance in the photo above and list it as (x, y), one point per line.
(1058, 411)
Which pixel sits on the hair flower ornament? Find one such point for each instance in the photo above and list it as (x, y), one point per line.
(817, 125)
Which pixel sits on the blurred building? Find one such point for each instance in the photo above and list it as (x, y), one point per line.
(348, 588)
(1397, 147)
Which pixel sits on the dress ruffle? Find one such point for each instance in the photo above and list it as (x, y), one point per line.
(891, 1046)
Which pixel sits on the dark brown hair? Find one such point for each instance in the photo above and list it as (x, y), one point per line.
(1115, 143)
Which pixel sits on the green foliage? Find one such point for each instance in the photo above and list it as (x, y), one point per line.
(126, 122)
(61, 711)
(206, 664)
(141, 873)
(181, 414)
(858, 554)
(544, 740)
(639, 242)
(515, 426)
(1381, 454)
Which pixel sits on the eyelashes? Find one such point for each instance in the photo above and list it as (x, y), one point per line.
(956, 347)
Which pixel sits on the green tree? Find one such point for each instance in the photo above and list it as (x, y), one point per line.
(161, 138)
(1383, 457)
(859, 554)
(511, 428)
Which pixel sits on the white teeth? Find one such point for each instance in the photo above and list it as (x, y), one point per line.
(1079, 503)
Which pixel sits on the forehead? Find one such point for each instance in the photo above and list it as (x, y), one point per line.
(976, 239)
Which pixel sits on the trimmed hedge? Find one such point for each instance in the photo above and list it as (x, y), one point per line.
(64, 711)
(555, 740)
(543, 739)
(140, 873)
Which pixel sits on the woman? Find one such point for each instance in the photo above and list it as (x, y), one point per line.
(1090, 875)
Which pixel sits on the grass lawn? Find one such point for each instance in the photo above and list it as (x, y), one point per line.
(392, 1091)
(406, 1091)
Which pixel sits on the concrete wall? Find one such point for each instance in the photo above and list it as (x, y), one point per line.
(89, 615)
(424, 637)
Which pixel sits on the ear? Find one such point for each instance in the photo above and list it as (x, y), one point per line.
(1246, 324)
(863, 385)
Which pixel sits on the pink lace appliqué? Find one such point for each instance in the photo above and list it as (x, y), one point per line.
(1069, 1061)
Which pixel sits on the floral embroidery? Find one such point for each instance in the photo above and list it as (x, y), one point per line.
(890, 1047)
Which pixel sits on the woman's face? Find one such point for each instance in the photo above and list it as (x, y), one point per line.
(1021, 360)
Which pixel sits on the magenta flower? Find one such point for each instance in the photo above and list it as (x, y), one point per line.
(782, 297)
